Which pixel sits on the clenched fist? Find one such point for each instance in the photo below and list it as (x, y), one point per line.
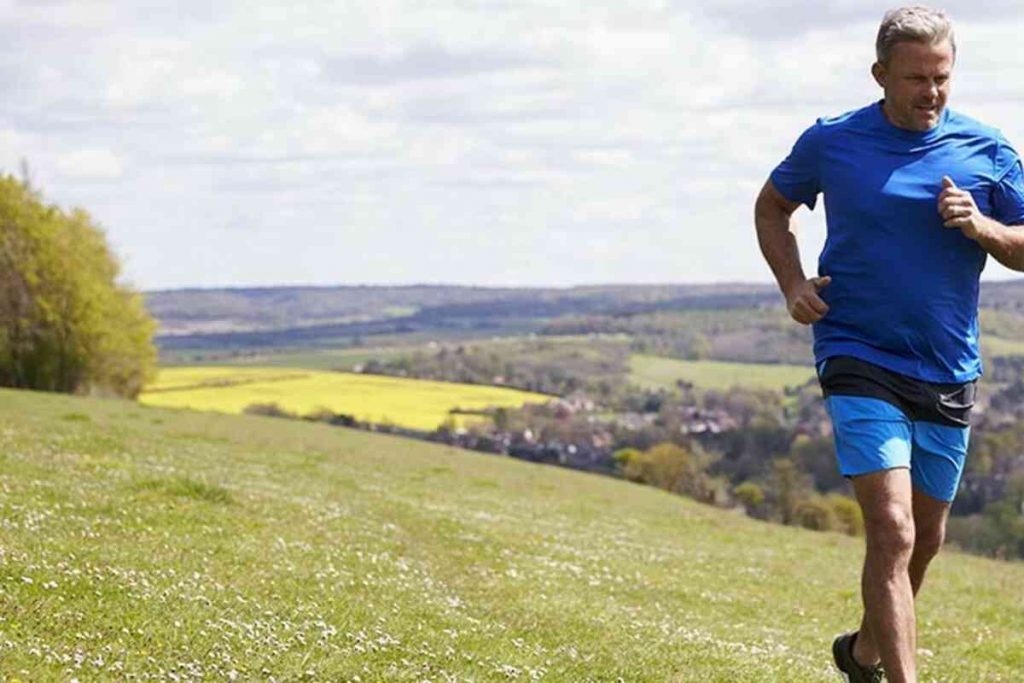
(803, 302)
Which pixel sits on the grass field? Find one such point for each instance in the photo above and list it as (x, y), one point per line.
(167, 545)
(417, 404)
(656, 372)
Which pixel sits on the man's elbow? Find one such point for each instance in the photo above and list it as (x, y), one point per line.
(768, 208)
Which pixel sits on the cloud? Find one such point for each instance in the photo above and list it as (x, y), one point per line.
(90, 165)
(13, 147)
(477, 142)
(419, 63)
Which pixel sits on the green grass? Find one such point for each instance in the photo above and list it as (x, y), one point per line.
(656, 372)
(152, 542)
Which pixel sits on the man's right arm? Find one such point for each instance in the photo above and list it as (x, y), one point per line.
(776, 234)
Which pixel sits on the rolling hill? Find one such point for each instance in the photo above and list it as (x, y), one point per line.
(176, 545)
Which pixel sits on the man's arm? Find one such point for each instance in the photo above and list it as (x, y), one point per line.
(1004, 243)
(958, 210)
(776, 233)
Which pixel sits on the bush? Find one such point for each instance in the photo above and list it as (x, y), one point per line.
(674, 468)
(848, 514)
(627, 460)
(750, 495)
(267, 410)
(321, 415)
(815, 513)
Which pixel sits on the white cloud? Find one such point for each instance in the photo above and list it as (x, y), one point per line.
(90, 164)
(13, 147)
(446, 140)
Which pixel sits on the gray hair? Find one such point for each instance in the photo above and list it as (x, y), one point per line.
(917, 24)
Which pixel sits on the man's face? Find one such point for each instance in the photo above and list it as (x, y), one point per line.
(916, 83)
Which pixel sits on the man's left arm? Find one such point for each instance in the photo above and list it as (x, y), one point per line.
(958, 209)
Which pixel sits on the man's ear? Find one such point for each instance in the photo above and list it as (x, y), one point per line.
(878, 71)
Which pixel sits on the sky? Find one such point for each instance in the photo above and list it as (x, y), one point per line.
(492, 143)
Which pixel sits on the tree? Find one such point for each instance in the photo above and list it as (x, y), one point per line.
(788, 487)
(750, 495)
(848, 514)
(815, 513)
(700, 347)
(66, 323)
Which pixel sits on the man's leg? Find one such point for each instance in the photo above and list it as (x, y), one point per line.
(886, 498)
(930, 515)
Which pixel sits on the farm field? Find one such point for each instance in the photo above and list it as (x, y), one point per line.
(656, 372)
(164, 545)
(416, 404)
(1000, 346)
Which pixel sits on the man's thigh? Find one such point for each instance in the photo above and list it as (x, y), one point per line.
(870, 435)
(937, 459)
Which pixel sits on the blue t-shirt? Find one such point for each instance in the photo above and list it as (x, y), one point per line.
(904, 290)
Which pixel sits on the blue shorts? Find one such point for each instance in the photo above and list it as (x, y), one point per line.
(881, 420)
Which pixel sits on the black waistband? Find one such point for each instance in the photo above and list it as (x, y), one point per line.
(948, 404)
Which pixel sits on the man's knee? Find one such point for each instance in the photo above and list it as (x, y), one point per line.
(890, 532)
(928, 541)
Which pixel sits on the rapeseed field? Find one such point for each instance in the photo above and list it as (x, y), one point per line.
(411, 403)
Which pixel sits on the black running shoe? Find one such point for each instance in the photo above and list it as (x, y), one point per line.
(849, 669)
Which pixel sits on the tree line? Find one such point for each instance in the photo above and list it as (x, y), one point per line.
(66, 322)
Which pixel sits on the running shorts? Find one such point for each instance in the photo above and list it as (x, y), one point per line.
(883, 420)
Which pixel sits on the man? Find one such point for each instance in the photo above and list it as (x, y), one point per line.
(915, 196)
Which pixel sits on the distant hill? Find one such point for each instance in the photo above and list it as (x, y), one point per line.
(297, 316)
(158, 544)
(323, 317)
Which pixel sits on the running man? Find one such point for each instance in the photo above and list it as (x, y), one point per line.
(916, 196)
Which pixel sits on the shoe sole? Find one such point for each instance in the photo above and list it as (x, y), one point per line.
(835, 664)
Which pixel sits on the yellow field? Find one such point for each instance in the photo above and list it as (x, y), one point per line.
(417, 404)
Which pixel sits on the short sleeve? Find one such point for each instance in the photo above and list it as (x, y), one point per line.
(798, 177)
(1008, 192)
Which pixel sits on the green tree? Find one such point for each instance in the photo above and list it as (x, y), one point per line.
(848, 514)
(66, 323)
(788, 487)
(700, 347)
(750, 495)
(815, 513)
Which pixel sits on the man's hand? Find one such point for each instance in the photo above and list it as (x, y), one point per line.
(958, 210)
(803, 302)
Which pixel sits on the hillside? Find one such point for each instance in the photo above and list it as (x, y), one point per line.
(742, 321)
(319, 317)
(177, 545)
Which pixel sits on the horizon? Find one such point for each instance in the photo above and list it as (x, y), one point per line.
(1013, 278)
